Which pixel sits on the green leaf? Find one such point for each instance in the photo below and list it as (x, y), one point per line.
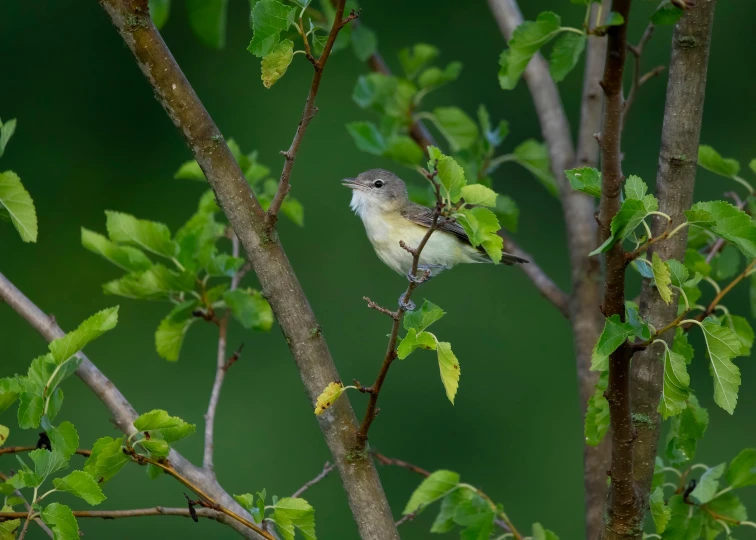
(157, 420)
(708, 484)
(481, 226)
(456, 126)
(726, 264)
(709, 159)
(659, 511)
(82, 485)
(666, 14)
(63, 438)
(276, 62)
(250, 309)
(434, 77)
(9, 391)
(635, 188)
(526, 40)
(148, 235)
(415, 59)
(19, 205)
(61, 519)
(30, 407)
(414, 340)
(585, 179)
(662, 278)
(479, 194)
(367, 137)
(742, 329)
(404, 150)
(158, 448)
(696, 262)
(534, 156)
(507, 212)
(4, 432)
(106, 460)
(385, 94)
(245, 500)
(452, 505)
(632, 318)
(328, 397)
(6, 132)
(159, 11)
(539, 533)
(630, 215)
(615, 333)
(597, 413)
(435, 486)
(65, 347)
(364, 42)
(190, 170)
(449, 368)
(676, 386)
(169, 336)
(451, 175)
(614, 19)
(290, 513)
(269, 19)
(723, 345)
(127, 258)
(742, 469)
(293, 210)
(685, 430)
(47, 462)
(494, 137)
(565, 55)
(677, 272)
(208, 20)
(685, 521)
(157, 283)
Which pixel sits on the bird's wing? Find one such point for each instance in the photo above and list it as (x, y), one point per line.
(423, 216)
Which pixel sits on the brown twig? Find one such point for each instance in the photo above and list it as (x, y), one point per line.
(327, 468)
(384, 460)
(385, 311)
(137, 512)
(17, 449)
(639, 80)
(309, 112)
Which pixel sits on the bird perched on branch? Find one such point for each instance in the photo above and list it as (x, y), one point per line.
(380, 198)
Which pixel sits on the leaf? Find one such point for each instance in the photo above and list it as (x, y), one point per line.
(507, 212)
(82, 485)
(565, 55)
(451, 175)
(678, 273)
(614, 19)
(328, 397)
(106, 459)
(367, 137)
(479, 194)
(527, 38)
(597, 413)
(662, 278)
(364, 42)
(539, 533)
(61, 519)
(630, 215)
(171, 428)
(614, 334)
(65, 347)
(435, 486)
(666, 14)
(709, 159)
(415, 59)
(169, 336)
(127, 258)
(742, 329)
(585, 179)
(159, 11)
(19, 205)
(276, 62)
(4, 432)
(635, 188)
(208, 20)
(449, 367)
(422, 318)
(742, 469)
(47, 462)
(63, 438)
(481, 226)
(708, 484)
(534, 156)
(6, 132)
(676, 386)
(404, 150)
(250, 309)
(9, 391)
(685, 522)
(148, 235)
(245, 500)
(659, 511)
(452, 504)
(269, 19)
(685, 430)
(290, 513)
(456, 126)
(385, 94)
(414, 340)
(434, 77)
(157, 283)
(30, 409)
(722, 345)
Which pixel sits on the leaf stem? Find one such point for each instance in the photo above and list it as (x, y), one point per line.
(744, 183)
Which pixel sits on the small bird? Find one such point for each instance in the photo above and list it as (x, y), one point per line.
(380, 198)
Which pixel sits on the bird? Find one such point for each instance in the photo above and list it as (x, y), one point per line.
(380, 199)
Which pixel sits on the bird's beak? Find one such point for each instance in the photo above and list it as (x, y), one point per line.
(351, 183)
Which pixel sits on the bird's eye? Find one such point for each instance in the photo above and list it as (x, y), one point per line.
(378, 183)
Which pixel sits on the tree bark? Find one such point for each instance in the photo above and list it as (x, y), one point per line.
(264, 250)
(675, 181)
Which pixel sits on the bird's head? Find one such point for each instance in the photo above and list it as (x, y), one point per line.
(376, 189)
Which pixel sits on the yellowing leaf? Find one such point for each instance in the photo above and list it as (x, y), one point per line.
(328, 397)
(449, 367)
(662, 278)
(275, 63)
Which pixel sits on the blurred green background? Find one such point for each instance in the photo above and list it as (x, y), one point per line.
(91, 137)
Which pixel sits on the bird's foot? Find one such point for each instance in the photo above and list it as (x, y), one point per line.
(406, 306)
(427, 271)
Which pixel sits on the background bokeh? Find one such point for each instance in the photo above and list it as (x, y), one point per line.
(91, 137)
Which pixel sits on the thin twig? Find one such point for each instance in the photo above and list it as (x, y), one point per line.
(37, 520)
(327, 468)
(17, 449)
(639, 80)
(220, 375)
(385, 311)
(137, 512)
(309, 112)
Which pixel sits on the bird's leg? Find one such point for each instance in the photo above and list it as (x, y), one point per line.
(406, 306)
(427, 272)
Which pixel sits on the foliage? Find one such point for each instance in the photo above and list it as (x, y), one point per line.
(16, 204)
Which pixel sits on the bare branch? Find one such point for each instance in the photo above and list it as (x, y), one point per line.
(137, 512)
(220, 375)
(639, 80)
(327, 468)
(17, 449)
(675, 182)
(264, 250)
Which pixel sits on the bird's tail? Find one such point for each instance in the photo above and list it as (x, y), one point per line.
(511, 260)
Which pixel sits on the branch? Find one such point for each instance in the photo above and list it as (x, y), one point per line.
(17, 449)
(266, 254)
(310, 110)
(327, 468)
(138, 512)
(23, 515)
(639, 80)
(675, 185)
